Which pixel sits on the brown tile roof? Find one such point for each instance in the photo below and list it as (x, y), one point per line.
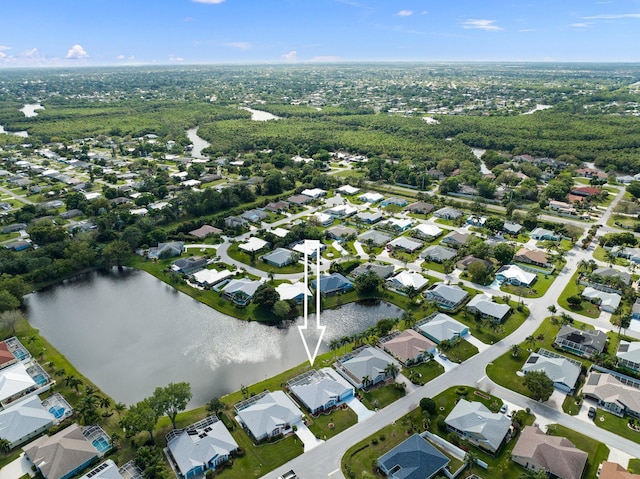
(408, 345)
(537, 256)
(613, 470)
(5, 354)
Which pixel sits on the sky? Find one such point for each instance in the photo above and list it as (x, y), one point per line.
(118, 32)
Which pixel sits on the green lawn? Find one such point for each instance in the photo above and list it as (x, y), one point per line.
(489, 332)
(424, 372)
(539, 288)
(586, 308)
(599, 254)
(597, 452)
(326, 426)
(381, 397)
(432, 265)
(616, 425)
(235, 253)
(569, 405)
(634, 466)
(461, 351)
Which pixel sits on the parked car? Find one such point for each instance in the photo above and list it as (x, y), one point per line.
(289, 475)
(504, 408)
(592, 412)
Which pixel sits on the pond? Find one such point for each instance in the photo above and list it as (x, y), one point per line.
(129, 333)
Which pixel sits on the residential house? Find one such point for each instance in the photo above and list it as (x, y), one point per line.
(109, 470)
(600, 274)
(314, 193)
(323, 218)
(446, 296)
(420, 207)
(166, 250)
(189, 265)
(629, 355)
(587, 343)
(635, 310)
(397, 225)
(342, 211)
(562, 207)
(204, 231)
(295, 292)
(67, 452)
(564, 372)
(632, 254)
(7, 358)
(254, 216)
(371, 197)
(408, 347)
(513, 274)
(464, 263)
(240, 291)
(617, 397)
(341, 232)
(438, 254)
(277, 206)
(373, 237)
(427, 231)
(534, 257)
(474, 422)
(320, 390)
(447, 213)
(586, 191)
(511, 228)
(200, 447)
(383, 271)
(483, 305)
(365, 366)
(67, 215)
(440, 327)
(408, 279)
(608, 302)
(405, 243)
(268, 415)
(555, 455)
(299, 200)
(542, 234)
(301, 246)
(369, 217)
(280, 257)
(253, 244)
(234, 222)
(24, 420)
(334, 283)
(348, 190)
(394, 201)
(16, 382)
(477, 221)
(413, 458)
(19, 245)
(210, 277)
(455, 239)
(613, 470)
(280, 232)
(12, 228)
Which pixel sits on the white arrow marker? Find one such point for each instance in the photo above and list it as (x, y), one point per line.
(311, 246)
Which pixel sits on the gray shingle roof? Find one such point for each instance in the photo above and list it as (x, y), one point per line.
(474, 418)
(414, 458)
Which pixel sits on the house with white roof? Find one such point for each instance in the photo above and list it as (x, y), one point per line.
(369, 217)
(323, 218)
(629, 355)
(348, 190)
(269, 414)
(440, 327)
(405, 243)
(342, 211)
(474, 422)
(513, 274)
(200, 447)
(253, 245)
(543, 234)
(109, 470)
(484, 305)
(320, 390)
(371, 197)
(24, 420)
(15, 382)
(408, 279)
(314, 193)
(427, 231)
(240, 291)
(365, 366)
(608, 302)
(446, 296)
(210, 277)
(295, 291)
(564, 372)
(397, 224)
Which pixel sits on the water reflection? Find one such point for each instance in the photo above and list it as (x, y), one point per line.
(129, 333)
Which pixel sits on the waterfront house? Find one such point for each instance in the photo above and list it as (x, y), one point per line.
(408, 279)
(474, 422)
(440, 327)
(446, 296)
(210, 277)
(320, 390)
(408, 347)
(189, 265)
(240, 291)
(365, 366)
(166, 250)
(414, 458)
(268, 415)
(333, 283)
(382, 271)
(295, 292)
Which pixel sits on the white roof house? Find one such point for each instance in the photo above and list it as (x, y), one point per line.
(314, 193)
(268, 414)
(320, 390)
(139, 211)
(342, 211)
(371, 197)
(280, 232)
(15, 381)
(483, 304)
(24, 420)
(323, 218)
(406, 279)
(109, 470)
(405, 243)
(367, 362)
(513, 274)
(399, 223)
(253, 244)
(201, 446)
(476, 423)
(210, 277)
(563, 371)
(440, 327)
(428, 230)
(446, 295)
(240, 291)
(294, 291)
(348, 190)
(608, 301)
(629, 355)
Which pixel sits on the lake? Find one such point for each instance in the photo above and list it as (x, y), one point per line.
(129, 333)
(29, 110)
(198, 143)
(259, 115)
(21, 134)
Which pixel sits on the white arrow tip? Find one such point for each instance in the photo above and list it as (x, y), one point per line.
(311, 355)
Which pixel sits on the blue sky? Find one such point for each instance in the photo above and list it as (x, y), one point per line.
(107, 32)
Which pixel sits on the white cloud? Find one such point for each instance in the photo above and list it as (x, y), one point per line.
(239, 45)
(326, 59)
(404, 13)
(481, 24)
(613, 16)
(76, 52)
(292, 56)
(4, 47)
(31, 53)
(209, 2)
(582, 25)
(424, 12)
(120, 57)
(175, 58)
(3, 55)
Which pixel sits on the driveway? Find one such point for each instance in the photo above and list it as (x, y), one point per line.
(17, 468)
(447, 364)
(307, 437)
(476, 342)
(356, 406)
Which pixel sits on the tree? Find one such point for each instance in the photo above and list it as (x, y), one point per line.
(494, 224)
(503, 252)
(367, 282)
(141, 416)
(116, 253)
(470, 458)
(540, 385)
(516, 350)
(552, 309)
(10, 318)
(87, 409)
(486, 188)
(172, 399)
(633, 188)
(574, 301)
(428, 405)
(480, 272)
(282, 309)
(266, 296)
(8, 301)
(215, 406)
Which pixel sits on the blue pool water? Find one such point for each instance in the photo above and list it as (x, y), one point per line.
(101, 444)
(19, 354)
(40, 379)
(57, 411)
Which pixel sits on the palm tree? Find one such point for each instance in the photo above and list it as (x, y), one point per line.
(344, 340)
(565, 318)
(470, 458)
(531, 340)
(5, 445)
(119, 407)
(105, 402)
(365, 381)
(392, 370)
(88, 409)
(552, 309)
(334, 344)
(516, 350)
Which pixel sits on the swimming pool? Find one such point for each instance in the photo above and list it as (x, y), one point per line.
(57, 411)
(40, 379)
(101, 444)
(19, 354)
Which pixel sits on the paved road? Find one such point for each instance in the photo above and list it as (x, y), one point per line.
(22, 198)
